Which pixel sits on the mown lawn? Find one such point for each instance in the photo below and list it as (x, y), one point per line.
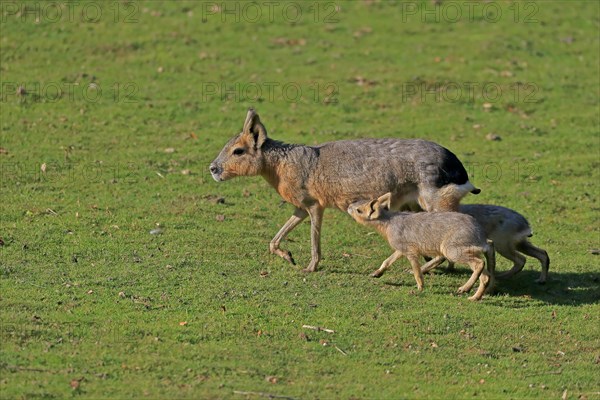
(127, 272)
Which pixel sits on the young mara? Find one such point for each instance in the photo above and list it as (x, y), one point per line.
(455, 236)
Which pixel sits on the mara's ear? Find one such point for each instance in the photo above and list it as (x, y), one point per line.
(372, 211)
(385, 201)
(253, 127)
(380, 205)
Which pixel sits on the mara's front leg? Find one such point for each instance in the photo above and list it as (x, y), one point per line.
(299, 216)
(316, 218)
(386, 264)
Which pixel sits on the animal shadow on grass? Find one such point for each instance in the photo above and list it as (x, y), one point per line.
(562, 288)
(566, 288)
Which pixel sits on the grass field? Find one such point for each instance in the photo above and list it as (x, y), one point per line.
(127, 272)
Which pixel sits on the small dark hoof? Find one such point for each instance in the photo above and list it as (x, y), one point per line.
(290, 258)
(376, 275)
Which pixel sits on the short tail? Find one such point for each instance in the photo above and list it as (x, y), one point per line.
(448, 197)
(459, 191)
(469, 187)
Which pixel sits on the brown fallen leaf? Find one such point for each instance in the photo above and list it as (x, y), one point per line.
(493, 137)
(220, 218)
(183, 323)
(264, 274)
(362, 81)
(362, 31)
(271, 379)
(3, 150)
(76, 382)
(170, 150)
(281, 41)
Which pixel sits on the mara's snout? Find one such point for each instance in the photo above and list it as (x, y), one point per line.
(215, 172)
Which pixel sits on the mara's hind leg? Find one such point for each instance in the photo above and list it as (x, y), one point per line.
(431, 264)
(416, 267)
(527, 248)
(510, 252)
(476, 264)
(386, 264)
(484, 281)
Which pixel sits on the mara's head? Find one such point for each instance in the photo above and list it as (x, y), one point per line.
(363, 211)
(242, 155)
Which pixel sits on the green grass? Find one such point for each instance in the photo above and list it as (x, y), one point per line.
(92, 304)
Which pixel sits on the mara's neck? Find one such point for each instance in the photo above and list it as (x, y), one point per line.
(380, 225)
(276, 155)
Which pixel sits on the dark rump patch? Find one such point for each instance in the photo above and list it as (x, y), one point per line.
(452, 170)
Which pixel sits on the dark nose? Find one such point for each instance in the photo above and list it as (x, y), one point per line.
(213, 168)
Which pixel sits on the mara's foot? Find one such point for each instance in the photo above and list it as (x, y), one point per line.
(286, 255)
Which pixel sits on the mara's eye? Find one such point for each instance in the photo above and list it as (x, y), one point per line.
(239, 151)
(358, 210)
